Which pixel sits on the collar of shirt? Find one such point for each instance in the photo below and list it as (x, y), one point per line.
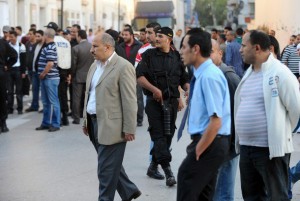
(170, 53)
(201, 68)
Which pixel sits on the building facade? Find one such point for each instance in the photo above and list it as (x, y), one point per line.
(281, 16)
(87, 13)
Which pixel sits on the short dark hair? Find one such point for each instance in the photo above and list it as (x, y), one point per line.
(275, 44)
(228, 28)
(33, 25)
(129, 30)
(239, 31)
(77, 26)
(90, 30)
(201, 38)
(32, 30)
(128, 26)
(260, 38)
(13, 33)
(19, 28)
(143, 30)
(41, 32)
(214, 30)
(113, 33)
(82, 34)
(153, 25)
(294, 36)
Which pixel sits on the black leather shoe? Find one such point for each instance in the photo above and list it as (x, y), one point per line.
(30, 110)
(42, 128)
(139, 124)
(76, 122)
(4, 128)
(20, 112)
(134, 196)
(153, 172)
(53, 129)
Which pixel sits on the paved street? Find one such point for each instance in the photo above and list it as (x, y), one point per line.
(62, 166)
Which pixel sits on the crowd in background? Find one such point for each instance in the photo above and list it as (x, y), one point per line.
(62, 83)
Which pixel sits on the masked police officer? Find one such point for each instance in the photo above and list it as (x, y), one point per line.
(160, 73)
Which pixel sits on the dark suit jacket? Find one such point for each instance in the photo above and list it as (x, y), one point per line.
(116, 104)
(82, 59)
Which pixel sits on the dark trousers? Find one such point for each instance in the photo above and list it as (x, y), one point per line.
(14, 80)
(261, 178)
(35, 81)
(111, 173)
(197, 179)
(161, 142)
(3, 94)
(63, 87)
(78, 98)
(140, 102)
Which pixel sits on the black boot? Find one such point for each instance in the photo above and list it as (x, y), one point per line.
(4, 128)
(64, 119)
(153, 171)
(170, 179)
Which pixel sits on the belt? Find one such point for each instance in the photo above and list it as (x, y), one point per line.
(198, 136)
(93, 116)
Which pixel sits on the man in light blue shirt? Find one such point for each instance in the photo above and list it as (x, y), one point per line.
(209, 120)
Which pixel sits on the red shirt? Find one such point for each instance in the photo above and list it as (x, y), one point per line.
(127, 50)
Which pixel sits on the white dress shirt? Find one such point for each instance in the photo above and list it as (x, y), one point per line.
(91, 106)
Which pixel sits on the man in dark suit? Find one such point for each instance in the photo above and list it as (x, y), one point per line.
(110, 108)
(82, 59)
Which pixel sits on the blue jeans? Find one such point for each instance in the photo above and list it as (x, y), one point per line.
(294, 176)
(51, 111)
(35, 81)
(261, 178)
(224, 190)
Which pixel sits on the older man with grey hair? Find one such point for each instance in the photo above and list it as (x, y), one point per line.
(49, 75)
(110, 111)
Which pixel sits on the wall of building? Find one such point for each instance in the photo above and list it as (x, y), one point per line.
(280, 15)
(87, 13)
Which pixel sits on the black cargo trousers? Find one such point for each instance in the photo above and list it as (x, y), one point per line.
(162, 143)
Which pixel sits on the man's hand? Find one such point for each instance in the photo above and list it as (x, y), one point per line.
(129, 137)
(68, 80)
(157, 95)
(180, 104)
(85, 130)
(23, 75)
(42, 75)
(5, 68)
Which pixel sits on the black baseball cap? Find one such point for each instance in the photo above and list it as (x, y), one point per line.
(66, 32)
(166, 31)
(52, 25)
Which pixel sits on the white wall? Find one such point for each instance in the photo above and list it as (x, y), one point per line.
(281, 15)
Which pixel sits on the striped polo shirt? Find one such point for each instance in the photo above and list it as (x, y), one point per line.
(291, 57)
(251, 119)
(48, 53)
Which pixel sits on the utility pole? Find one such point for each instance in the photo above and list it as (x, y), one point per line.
(119, 15)
(62, 14)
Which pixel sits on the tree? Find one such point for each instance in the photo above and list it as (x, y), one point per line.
(211, 12)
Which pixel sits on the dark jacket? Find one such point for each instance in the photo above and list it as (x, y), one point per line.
(163, 70)
(30, 48)
(233, 81)
(133, 51)
(8, 56)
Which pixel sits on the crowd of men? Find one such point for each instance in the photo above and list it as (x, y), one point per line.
(242, 99)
